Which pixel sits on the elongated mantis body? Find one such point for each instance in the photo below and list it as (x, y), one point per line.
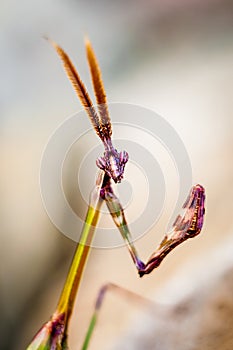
(113, 164)
(53, 335)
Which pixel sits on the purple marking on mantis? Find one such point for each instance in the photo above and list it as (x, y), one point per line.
(185, 226)
(52, 335)
(113, 162)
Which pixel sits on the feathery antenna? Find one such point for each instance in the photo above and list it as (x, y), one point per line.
(79, 87)
(99, 90)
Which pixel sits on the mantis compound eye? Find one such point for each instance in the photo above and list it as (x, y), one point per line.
(100, 162)
(124, 157)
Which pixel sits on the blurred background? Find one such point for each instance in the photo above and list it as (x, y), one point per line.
(174, 57)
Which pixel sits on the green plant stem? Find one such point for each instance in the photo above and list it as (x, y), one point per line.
(124, 293)
(90, 331)
(53, 334)
(72, 283)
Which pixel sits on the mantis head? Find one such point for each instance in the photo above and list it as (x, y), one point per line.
(113, 163)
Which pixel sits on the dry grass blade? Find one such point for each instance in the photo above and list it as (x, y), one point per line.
(79, 87)
(99, 90)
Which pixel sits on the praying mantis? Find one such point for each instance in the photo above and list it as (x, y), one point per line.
(53, 335)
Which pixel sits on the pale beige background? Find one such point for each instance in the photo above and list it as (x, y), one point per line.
(173, 57)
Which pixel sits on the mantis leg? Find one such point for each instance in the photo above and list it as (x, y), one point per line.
(185, 226)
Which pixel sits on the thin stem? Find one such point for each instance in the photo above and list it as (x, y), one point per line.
(126, 294)
(90, 331)
(53, 335)
(72, 283)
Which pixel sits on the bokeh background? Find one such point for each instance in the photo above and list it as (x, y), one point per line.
(174, 57)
